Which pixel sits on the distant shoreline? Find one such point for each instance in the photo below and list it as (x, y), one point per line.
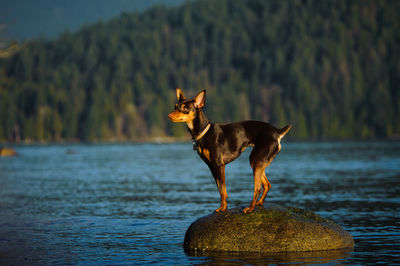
(168, 140)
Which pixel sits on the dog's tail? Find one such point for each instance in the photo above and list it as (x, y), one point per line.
(282, 132)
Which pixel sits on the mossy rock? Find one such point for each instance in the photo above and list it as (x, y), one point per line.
(5, 151)
(272, 228)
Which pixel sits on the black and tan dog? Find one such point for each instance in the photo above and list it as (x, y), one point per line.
(220, 144)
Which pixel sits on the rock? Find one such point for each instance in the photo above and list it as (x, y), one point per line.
(5, 151)
(272, 228)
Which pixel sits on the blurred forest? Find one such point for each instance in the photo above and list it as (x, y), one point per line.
(330, 68)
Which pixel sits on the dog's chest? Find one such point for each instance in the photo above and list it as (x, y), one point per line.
(216, 156)
(204, 153)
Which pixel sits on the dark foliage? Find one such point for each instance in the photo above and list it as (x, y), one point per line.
(331, 68)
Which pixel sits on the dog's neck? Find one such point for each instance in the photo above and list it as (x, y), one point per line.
(198, 124)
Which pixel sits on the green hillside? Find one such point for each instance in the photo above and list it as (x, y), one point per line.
(330, 68)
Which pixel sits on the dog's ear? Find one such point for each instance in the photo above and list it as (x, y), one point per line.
(179, 94)
(200, 99)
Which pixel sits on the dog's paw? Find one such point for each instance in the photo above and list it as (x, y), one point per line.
(248, 209)
(221, 209)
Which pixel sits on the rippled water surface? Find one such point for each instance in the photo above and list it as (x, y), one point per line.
(132, 203)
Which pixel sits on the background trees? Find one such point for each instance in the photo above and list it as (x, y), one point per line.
(331, 68)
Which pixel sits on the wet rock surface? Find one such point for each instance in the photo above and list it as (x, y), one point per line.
(272, 228)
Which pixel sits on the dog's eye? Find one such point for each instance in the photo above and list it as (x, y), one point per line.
(183, 108)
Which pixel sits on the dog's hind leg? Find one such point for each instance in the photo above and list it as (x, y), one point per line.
(261, 156)
(257, 175)
(266, 187)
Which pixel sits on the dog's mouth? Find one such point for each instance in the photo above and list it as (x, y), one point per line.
(177, 116)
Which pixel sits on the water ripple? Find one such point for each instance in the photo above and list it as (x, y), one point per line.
(131, 204)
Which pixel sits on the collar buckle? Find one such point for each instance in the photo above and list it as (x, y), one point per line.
(195, 145)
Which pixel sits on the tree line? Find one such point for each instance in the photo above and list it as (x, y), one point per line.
(330, 68)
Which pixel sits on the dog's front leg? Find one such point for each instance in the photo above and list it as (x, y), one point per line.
(218, 172)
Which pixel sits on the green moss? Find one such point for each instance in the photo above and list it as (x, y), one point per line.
(271, 228)
(306, 215)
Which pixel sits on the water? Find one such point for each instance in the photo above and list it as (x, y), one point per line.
(132, 203)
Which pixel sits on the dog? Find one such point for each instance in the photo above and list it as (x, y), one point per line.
(220, 143)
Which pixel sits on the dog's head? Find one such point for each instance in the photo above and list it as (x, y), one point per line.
(187, 109)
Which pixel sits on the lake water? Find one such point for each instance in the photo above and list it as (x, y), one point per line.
(132, 203)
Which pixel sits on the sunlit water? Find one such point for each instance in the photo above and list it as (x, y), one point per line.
(132, 203)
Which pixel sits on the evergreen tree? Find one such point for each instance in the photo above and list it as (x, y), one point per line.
(328, 67)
